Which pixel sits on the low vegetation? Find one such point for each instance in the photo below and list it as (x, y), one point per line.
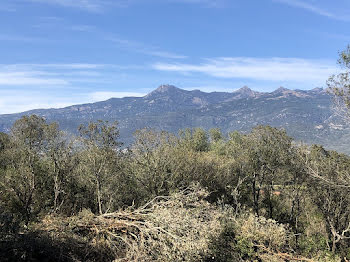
(196, 196)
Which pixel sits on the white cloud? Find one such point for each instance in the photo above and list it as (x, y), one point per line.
(83, 28)
(103, 5)
(48, 74)
(267, 69)
(162, 54)
(87, 5)
(18, 38)
(206, 3)
(144, 49)
(52, 66)
(70, 66)
(317, 9)
(31, 86)
(15, 101)
(28, 78)
(72, 75)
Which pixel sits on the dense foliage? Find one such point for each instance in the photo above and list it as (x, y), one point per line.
(339, 85)
(264, 198)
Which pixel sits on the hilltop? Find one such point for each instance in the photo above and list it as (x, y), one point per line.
(305, 114)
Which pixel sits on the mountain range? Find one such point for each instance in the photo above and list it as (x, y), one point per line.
(306, 115)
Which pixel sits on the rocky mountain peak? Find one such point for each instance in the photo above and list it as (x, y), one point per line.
(244, 89)
(318, 90)
(246, 92)
(306, 115)
(281, 90)
(164, 90)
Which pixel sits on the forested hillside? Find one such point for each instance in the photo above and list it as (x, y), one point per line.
(307, 116)
(198, 196)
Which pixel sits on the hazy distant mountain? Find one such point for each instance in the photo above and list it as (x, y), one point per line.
(306, 115)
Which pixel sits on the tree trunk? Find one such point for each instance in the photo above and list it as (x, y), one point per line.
(256, 194)
(56, 192)
(98, 192)
(334, 244)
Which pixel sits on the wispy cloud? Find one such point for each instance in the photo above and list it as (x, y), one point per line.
(103, 5)
(11, 102)
(31, 86)
(162, 54)
(18, 38)
(266, 69)
(87, 5)
(65, 76)
(47, 74)
(29, 79)
(317, 9)
(127, 44)
(67, 66)
(83, 28)
(205, 3)
(119, 41)
(144, 49)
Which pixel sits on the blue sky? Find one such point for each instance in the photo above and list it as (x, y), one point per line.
(55, 53)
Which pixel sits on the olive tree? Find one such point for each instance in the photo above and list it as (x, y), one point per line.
(329, 192)
(26, 181)
(265, 156)
(339, 85)
(152, 161)
(102, 146)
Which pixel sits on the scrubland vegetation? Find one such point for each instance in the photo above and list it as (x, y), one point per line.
(196, 196)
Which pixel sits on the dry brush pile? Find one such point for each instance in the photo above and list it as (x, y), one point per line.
(173, 228)
(181, 227)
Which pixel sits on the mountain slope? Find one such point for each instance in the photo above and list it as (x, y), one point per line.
(306, 115)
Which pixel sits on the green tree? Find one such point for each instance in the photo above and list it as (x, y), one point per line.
(102, 146)
(339, 85)
(152, 161)
(215, 135)
(264, 156)
(4, 144)
(26, 182)
(272, 153)
(329, 193)
(63, 163)
(196, 139)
